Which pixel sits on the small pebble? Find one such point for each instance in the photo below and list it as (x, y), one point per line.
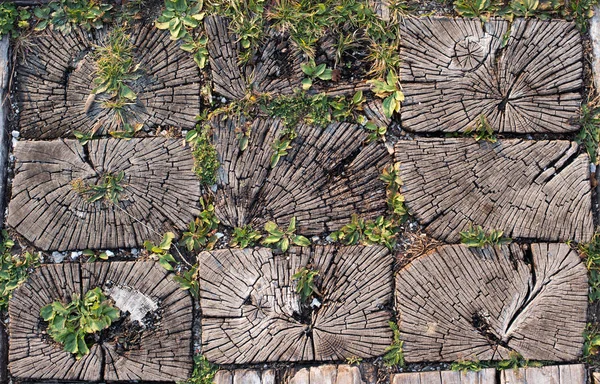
(592, 168)
(109, 253)
(214, 187)
(58, 257)
(74, 255)
(134, 251)
(315, 239)
(14, 142)
(315, 303)
(328, 238)
(219, 235)
(223, 100)
(15, 134)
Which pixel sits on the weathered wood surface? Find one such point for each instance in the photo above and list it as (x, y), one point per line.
(485, 376)
(328, 175)
(469, 304)
(55, 80)
(276, 68)
(250, 311)
(328, 374)
(529, 189)
(246, 376)
(161, 192)
(556, 374)
(165, 351)
(454, 70)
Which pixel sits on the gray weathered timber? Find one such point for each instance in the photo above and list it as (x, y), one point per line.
(555, 374)
(251, 312)
(485, 376)
(168, 92)
(4, 147)
(455, 70)
(459, 303)
(164, 353)
(328, 175)
(529, 189)
(161, 193)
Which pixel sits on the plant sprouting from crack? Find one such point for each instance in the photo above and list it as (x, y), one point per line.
(394, 354)
(109, 188)
(466, 366)
(69, 324)
(14, 269)
(201, 233)
(282, 145)
(589, 136)
(313, 72)
(188, 281)
(482, 130)
(305, 283)
(204, 371)
(206, 162)
(476, 237)
(591, 252)
(282, 239)
(161, 252)
(382, 231)
(391, 177)
(591, 346)
(388, 90)
(244, 237)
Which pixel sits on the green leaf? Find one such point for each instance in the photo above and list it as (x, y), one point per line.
(301, 241)
(165, 264)
(70, 343)
(306, 83)
(165, 244)
(47, 312)
(326, 75)
(127, 93)
(285, 244)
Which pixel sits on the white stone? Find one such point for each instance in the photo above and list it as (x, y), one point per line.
(15, 134)
(109, 253)
(58, 257)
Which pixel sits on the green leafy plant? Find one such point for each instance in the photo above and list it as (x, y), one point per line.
(591, 252)
(201, 232)
(282, 239)
(343, 108)
(63, 15)
(389, 91)
(282, 145)
(481, 9)
(197, 47)
(115, 67)
(69, 324)
(476, 237)
(515, 361)
(313, 72)
(589, 136)
(127, 132)
(95, 256)
(467, 365)
(352, 233)
(14, 269)
(381, 231)
(354, 360)
(12, 19)
(109, 188)
(391, 177)
(83, 137)
(305, 283)
(204, 371)
(394, 354)
(161, 252)
(300, 107)
(188, 280)
(179, 17)
(376, 132)
(482, 130)
(206, 162)
(580, 11)
(244, 237)
(524, 8)
(591, 345)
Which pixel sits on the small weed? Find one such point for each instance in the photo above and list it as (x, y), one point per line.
(188, 281)
(580, 11)
(305, 283)
(206, 162)
(391, 177)
(161, 252)
(482, 130)
(589, 136)
(63, 15)
(109, 188)
(282, 145)
(515, 361)
(352, 233)
(389, 91)
(94, 256)
(128, 131)
(313, 72)
(242, 133)
(69, 324)
(376, 132)
(384, 57)
(344, 108)
(282, 239)
(591, 251)
(353, 360)
(14, 269)
(244, 237)
(467, 365)
(394, 354)
(201, 233)
(476, 237)
(12, 19)
(481, 9)
(591, 345)
(380, 231)
(83, 137)
(204, 371)
(300, 107)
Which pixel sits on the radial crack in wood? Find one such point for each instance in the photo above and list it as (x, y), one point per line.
(162, 352)
(526, 79)
(529, 189)
(55, 81)
(460, 303)
(328, 175)
(252, 314)
(161, 193)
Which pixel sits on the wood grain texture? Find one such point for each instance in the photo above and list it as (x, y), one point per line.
(529, 189)
(485, 376)
(555, 374)
(55, 79)
(250, 311)
(459, 303)
(161, 192)
(328, 175)
(454, 70)
(164, 354)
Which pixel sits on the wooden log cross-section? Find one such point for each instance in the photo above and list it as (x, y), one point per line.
(460, 303)
(529, 189)
(327, 175)
(163, 352)
(251, 312)
(161, 193)
(55, 81)
(526, 79)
